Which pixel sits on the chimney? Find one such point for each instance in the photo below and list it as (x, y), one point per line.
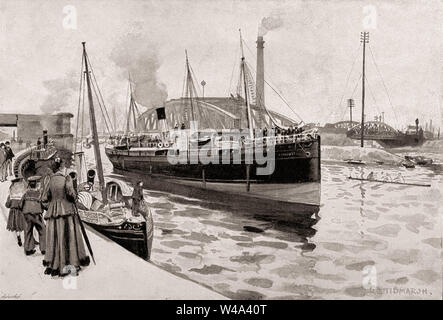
(260, 81)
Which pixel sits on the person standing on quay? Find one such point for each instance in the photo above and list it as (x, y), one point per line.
(16, 220)
(64, 241)
(137, 198)
(9, 156)
(32, 209)
(3, 157)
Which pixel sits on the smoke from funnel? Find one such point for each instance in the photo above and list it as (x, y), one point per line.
(270, 23)
(137, 56)
(61, 93)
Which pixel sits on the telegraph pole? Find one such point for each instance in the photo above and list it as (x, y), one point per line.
(364, 38)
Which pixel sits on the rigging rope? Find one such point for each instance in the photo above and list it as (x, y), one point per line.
(106, 118)
(282, 98)
(352, 95)
(100, 105)
(346, 85)
(233, 68)
(373, 97)
(78, 108)
(384, 85)
(269, 84)
(83, 110)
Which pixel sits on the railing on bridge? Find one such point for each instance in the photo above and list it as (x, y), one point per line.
(374, 130)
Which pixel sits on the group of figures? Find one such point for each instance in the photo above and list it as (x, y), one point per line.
(6, 156)
(144, 140)
(47, 204)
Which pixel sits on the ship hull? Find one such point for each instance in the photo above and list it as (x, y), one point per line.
(293, 187)
(403, 141)
(134, 239)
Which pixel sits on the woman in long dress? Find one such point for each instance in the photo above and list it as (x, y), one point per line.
(16, 220)
(65, 251)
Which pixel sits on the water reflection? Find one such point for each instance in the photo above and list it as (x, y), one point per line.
(315, 252)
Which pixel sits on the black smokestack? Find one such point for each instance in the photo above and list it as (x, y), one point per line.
(45, 138)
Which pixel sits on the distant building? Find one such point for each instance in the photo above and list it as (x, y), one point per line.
(31, 126)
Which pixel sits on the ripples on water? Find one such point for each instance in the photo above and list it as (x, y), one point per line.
(390, 234)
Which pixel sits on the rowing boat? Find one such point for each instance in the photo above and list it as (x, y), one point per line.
(393, 182)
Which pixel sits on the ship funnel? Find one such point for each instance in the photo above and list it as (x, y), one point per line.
(45, 138)
(260, 80)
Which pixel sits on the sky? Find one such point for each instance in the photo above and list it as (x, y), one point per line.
(313, 55)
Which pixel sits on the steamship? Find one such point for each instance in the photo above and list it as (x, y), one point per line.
(231, 131)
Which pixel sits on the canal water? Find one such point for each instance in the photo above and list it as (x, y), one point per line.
(368, 240)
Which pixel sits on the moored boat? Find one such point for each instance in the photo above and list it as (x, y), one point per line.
(253, 163)
(106, 206)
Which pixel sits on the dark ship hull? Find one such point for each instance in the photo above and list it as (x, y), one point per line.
(132, 237)
(405, 140)
(295, 180)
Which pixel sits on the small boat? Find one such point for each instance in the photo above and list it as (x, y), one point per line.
(258, 228)
(106, 206)
(393, 182)
(115, 220)
(357, 162)
(421, 161)
(408, 163)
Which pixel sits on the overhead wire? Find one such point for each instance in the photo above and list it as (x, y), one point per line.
(346, 84)
(273, 89)
(384, 84)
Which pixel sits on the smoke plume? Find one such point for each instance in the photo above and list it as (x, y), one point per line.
(137, 57)
(61, 93)
(272, 22)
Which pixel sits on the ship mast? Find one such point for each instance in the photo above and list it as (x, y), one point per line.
(189, 86)
(94, 133)
(364, 38)
(243, 69)
(131, 109)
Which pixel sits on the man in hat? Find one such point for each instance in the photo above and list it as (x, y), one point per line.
(137, 198)
(2, 162)
(9, 156)
(32, 209)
